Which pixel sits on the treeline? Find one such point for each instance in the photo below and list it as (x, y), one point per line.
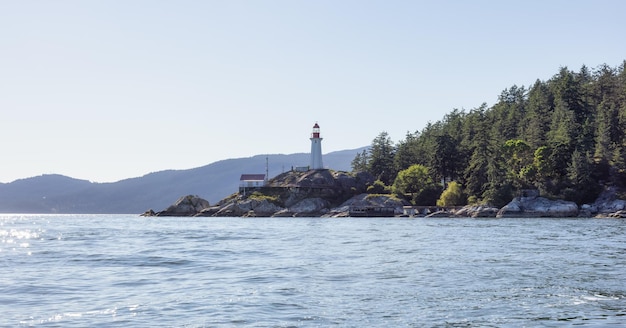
(565, 136)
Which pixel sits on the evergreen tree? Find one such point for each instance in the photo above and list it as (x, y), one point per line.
(508, 114)
(476, 143)
(381, 155)
(359, 163)
(517, 156)
(579, 173)
(618, 165)
(539, 109)
(444, 159)
(407, 152)
(565, 136)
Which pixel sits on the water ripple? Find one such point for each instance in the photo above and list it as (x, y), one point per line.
(76, 271)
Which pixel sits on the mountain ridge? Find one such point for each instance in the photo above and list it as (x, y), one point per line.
(55, 193)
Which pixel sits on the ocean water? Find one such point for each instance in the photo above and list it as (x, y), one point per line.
(129, 271)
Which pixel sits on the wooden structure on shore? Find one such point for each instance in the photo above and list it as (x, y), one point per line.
(371, 211)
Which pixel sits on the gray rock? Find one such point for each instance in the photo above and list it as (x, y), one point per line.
(293, 193)
(477, 211)
(148, 213)
(613, 206)
(440, 214)
(210, 211)
(310, 206)
(618, 215)
(185, 206)
(606, 205)
(248, 207)
(284, 213)
(538, 207)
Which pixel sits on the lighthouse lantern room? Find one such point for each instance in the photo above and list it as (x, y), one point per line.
(316, 148)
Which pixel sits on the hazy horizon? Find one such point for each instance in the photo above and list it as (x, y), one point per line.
(181, 169)
(107, 90)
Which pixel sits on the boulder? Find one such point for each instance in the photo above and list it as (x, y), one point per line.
(477, 211)
(606, 205)
(538, 207)
(284, 213)
(185, 206)
(310, 206)
(209, 211)
(618, 215)
(148, 213)
(440, 214)
(612, 206)
(248, 207)
(293, 193)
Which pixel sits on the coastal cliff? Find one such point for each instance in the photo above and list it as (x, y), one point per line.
(327, 193)
(312, 193)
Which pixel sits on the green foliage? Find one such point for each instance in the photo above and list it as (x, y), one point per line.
(378, 187)
(472, 200)
(518, 159)
(499, 196)
(407, 152)
(452, 196)
(412, 180)
(359, 163)
(389, 196)
(417, 182)
(444, 160)
(427, 196)
(380, 159)
(260, 197)
(565, 136)
(580, 175)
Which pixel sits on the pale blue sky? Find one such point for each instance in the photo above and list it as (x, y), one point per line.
(108, 90)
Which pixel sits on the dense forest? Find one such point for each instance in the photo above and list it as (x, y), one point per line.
(565, 137)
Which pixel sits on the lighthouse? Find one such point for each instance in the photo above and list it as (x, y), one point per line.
(316, 148)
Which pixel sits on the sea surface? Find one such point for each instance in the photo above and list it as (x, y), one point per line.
(129, 271)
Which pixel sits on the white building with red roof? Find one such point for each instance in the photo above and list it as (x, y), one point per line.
(251, 181)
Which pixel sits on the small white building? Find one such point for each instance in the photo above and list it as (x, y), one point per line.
(251, 181)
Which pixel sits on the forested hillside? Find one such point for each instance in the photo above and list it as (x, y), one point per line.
(565, 136)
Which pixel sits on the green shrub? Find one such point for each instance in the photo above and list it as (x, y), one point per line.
(427, 196)
(260, 197)
(452, 196)
(378, 187)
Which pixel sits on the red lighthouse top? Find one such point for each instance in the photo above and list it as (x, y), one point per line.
(316, 131)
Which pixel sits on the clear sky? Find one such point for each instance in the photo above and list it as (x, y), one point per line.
(105, 90)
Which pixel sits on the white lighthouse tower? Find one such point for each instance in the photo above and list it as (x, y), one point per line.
(316, 149)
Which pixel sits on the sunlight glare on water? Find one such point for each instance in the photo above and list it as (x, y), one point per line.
(123, 270)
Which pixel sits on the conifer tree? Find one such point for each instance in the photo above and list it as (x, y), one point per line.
(380, 161)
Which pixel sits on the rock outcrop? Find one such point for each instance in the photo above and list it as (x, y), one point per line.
(311, 193)
(618, 215)
(328, 193)
(185, 206)
(606, 205)
(531, 207)
(477, 211)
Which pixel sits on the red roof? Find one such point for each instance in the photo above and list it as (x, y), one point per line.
(316, 126)
(252, 177)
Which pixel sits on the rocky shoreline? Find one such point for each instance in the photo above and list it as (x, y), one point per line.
(326, 193)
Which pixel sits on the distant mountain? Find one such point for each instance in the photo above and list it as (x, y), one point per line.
(61, 194)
